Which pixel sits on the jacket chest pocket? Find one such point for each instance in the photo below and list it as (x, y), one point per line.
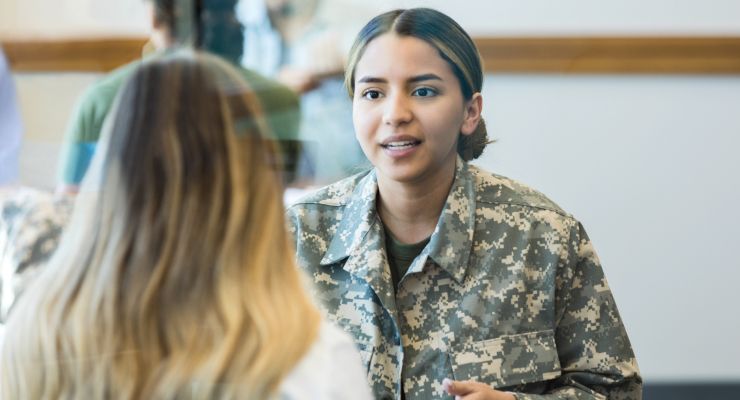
(507, 360)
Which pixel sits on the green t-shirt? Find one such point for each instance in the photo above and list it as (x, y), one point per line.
(280, 105)
(401, 255)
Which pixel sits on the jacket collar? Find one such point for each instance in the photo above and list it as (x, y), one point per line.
(452, 239)
(357, 219)
(449, 246)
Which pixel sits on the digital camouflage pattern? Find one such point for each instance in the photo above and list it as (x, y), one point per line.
(508, 292)
(31, 223)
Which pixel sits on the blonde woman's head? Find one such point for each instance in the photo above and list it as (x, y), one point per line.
(172, 279)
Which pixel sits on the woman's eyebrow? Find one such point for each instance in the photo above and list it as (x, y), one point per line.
(413, 79)
(424, 77)
(371, 79)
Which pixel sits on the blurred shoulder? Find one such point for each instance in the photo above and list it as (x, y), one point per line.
(106, 88)
(331, 369)
(20, 204)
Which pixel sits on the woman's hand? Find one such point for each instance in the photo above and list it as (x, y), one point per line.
(470, 390)
(297, 79)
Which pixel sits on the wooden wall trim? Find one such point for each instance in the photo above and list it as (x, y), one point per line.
(68, 55)
(662, 55)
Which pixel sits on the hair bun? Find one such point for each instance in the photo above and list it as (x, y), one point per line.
(470, 147)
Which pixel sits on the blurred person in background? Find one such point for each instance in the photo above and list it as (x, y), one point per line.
(210, 25)
(172, 279)
(11, 127)
(23, 210)
(31, 220)
(296, 43)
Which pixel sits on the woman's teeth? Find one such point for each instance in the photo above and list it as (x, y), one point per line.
(400, 145)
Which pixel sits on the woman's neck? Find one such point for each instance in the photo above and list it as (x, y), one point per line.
(410, 211)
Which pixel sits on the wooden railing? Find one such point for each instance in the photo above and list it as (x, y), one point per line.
(661, 55)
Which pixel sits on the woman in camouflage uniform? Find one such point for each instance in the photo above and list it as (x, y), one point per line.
(453, 280)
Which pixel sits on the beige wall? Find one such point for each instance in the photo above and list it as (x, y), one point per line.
(55, 18)
(46, 102)
(47, 99)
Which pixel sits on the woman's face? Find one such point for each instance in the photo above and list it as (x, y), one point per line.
(408, 110)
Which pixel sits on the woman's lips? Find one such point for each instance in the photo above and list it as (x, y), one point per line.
(397, 148)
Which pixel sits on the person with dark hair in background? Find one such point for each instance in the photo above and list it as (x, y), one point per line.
(453, 280)
(209, 25)
(10, 125)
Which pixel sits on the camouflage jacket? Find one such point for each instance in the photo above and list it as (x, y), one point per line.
(508, 292)
(31, 223)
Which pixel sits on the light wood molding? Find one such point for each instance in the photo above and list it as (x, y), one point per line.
(661, 55)
(620, 55)
(66, 55)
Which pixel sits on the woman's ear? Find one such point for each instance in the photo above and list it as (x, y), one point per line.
(473, 109)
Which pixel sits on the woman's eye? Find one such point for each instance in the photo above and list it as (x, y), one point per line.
(371, 94)
(424, 92)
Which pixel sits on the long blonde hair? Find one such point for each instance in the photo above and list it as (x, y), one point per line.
(175, 278)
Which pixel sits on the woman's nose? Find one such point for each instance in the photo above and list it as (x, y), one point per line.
(397, 110)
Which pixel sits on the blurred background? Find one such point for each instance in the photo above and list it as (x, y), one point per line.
(627, 114)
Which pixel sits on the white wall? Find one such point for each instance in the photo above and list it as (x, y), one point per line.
(646, 162)
(46, 101)
(70, 18)
(566, 17)
(649, 165)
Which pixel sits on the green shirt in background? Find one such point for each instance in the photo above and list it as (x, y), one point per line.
(279, 103)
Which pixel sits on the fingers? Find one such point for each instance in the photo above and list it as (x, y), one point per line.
(299, 80)
(471, 390)
(462, 388)
(449, 386)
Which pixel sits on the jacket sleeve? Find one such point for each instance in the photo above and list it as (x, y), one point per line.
(596, 358)
(31, 224)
